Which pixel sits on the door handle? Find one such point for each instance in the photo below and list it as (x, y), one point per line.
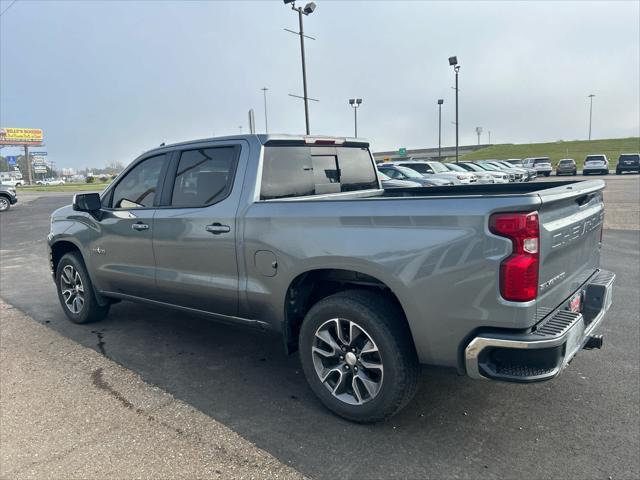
(217, 228)
(140, 226)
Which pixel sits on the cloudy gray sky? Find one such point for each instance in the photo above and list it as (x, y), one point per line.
(108, 80)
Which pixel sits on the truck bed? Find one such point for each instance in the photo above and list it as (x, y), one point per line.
(476, 190)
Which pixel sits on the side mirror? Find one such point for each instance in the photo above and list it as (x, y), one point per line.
(87, 202)
(428, 170)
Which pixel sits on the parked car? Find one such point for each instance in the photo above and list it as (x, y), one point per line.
(529, 174)
(566, 166)
(498, 177)
(481, 177)
(8, 197)
(542, 165)
(388, 182)
(596, 164)
(628, 162)
(51, 181)
(517, 162)
(519, 174)
(492, 168)
(295, 235)
(431, 167)
(11, 181)
(403, 173)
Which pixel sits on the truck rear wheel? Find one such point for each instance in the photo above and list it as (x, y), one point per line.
(75, 291)
(358, 356)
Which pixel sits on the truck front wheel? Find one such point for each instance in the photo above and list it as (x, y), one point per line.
(358, 356)
(75, 291)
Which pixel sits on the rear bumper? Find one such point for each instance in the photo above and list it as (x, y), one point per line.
(545, 351)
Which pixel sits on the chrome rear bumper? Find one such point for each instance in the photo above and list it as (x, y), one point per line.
(542, 353)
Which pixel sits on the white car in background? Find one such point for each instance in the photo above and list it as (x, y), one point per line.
(482, 177)
(498, 177)
(430, 168)
(542, 165)
(596, 164)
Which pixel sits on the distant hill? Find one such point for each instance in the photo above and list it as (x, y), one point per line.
(611, 147)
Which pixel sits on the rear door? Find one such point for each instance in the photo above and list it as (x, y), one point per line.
(195, 230)
(571, 221)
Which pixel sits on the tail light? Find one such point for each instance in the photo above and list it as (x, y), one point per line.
(519, 272)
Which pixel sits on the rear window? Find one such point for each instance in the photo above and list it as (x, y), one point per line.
(566, 162)
(635, 158)
(595, 158)
(293, 171)
(538, 161)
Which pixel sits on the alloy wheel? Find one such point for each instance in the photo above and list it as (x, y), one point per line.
(347, 361)
(4, 204)
(72, 289)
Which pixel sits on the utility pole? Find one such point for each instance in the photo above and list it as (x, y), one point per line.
(590, 112)
(440, 102)
(308, 9)
(266, 122)
(28, 162)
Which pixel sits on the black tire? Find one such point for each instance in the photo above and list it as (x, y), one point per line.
(385, 324)
(575, 173)
(5, 203)
(547, 174)
(90, 311)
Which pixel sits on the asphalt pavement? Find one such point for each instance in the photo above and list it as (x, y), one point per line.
(584, 424)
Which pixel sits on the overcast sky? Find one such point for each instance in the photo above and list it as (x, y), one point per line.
(108, 80)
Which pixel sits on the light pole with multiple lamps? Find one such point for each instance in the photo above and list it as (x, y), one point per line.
(440, 102)
(453, 61)
(307, 10)
(591, 95)
(478, 132)
(355, 103)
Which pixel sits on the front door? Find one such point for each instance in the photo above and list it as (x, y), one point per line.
(195, 230)
(122, 256)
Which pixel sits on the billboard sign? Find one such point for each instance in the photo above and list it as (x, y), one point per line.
(20, 136)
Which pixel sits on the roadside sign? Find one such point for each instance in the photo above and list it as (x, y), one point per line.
(12, 160)
(402, 151)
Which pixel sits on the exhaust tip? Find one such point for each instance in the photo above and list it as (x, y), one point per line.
(594, 341)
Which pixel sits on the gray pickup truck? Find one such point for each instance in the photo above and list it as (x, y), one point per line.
(295, 235)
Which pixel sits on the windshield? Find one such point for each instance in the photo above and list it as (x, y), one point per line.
(438, 167)
(409, 172)
(501, 165)
(488, 166)
(454, 167)
(472, 166)
(517, 163)
(418, 167)
(383, 176)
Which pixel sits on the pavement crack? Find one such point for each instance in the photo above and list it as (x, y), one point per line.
(101, 343)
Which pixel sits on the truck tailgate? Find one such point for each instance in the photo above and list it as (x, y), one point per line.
(571, 221)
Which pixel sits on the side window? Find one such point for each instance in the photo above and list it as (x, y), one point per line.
(204, 176)
(139, 186)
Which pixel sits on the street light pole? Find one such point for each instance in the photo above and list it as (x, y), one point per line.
(266, 122)
(304, 71)
(355, 103)
(590, 112)
(453, 61)
(440, 102)
(308, 9)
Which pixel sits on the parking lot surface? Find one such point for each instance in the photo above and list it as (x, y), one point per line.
(584, 424)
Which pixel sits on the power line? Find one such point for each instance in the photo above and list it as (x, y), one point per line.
(10, 5)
